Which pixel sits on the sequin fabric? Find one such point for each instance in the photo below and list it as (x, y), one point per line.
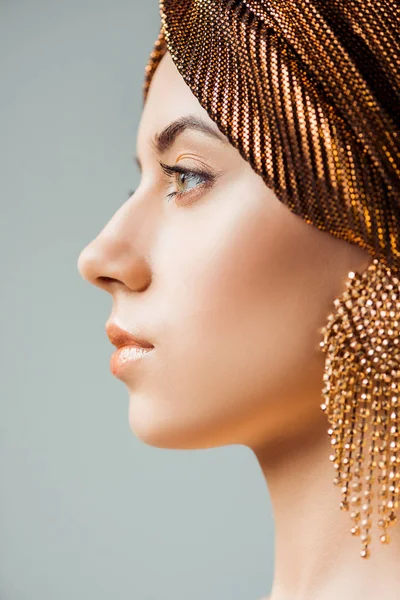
(308, 92)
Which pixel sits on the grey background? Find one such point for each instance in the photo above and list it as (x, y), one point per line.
(88, 511)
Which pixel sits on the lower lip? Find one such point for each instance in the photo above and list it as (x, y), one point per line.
(125, 356)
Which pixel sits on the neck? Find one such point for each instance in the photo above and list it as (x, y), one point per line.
(316, 557)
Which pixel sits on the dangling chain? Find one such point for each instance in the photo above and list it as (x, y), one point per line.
(362, 394)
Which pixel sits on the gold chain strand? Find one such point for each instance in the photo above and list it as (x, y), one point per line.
(361, 388)
(337, 417)
(349, 433)
(356, 485)
(384, 466)
(363, 413)
(366, 522)
(393, 478)
(393, 449)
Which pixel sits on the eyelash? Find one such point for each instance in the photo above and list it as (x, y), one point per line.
(171, 172)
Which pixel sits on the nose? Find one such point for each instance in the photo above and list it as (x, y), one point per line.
(118, 255)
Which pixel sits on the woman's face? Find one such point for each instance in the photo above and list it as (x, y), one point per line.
(226, 282)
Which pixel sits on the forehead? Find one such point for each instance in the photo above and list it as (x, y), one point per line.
(169, 98)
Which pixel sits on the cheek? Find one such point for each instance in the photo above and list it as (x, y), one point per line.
(242, 321)
(256, 298)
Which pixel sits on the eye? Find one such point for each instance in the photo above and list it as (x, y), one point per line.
(186, 179)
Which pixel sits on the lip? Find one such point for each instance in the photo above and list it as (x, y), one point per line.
(121, 337)
(126, 355)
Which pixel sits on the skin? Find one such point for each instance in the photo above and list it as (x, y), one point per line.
(232, 290)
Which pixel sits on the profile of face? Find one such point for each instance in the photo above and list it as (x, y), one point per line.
(229, 286)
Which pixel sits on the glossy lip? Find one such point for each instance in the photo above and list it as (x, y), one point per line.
(130, 348)
(121, 337)
(125, 356)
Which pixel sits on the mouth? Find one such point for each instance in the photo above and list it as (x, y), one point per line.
(130, 348)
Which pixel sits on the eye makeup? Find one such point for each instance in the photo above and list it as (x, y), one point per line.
(184, 175)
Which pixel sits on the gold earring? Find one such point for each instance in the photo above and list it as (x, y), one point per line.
(361, 397)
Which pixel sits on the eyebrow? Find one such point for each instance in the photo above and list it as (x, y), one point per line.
(163, 141)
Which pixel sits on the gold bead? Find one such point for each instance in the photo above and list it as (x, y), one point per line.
(356, 501)
(366, 523)
(367, 508)
(382, 523)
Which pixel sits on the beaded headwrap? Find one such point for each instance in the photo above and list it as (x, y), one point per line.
(308, 92)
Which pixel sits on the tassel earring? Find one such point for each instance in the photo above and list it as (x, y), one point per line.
(361, 398)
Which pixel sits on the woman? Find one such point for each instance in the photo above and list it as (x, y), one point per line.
(257, 267)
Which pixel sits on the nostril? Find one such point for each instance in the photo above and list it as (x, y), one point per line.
(106, 283)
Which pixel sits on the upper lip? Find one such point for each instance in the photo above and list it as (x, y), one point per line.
(121, 337)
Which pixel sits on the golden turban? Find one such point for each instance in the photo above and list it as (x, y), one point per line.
(308, 92)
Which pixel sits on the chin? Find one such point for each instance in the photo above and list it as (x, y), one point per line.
(159, 429)
(154, 427)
